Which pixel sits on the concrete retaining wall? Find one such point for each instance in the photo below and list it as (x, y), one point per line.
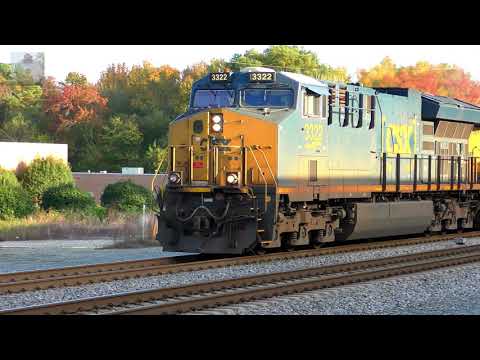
(95, 183)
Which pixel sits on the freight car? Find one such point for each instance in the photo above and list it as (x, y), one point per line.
(265, 159)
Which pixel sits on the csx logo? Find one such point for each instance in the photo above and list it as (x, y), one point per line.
(313, 135)
(401, 139)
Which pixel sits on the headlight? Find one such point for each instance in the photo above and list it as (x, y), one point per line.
(174, 178)
(216, 123)
(232, 178)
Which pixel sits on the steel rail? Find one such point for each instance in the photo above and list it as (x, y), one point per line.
(18, 281)
(216, 293)
(75, 276)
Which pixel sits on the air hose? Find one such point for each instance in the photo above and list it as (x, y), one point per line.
(217, 218)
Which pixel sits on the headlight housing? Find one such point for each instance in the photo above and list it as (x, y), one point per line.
(174, 178)
(216, 123)
(232, 178)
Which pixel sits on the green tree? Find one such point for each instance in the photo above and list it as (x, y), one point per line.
(120, 143)
(289, 58)
(75, 78)
(17, 128)
(44, 173)
(128, 197)
(67, 197)
(155, 156)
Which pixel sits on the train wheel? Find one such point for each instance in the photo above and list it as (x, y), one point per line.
(260, 251)
(288, 240)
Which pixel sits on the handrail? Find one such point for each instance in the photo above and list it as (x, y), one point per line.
(158, 168)
(268, 164)
(261, 173)
(273, 177)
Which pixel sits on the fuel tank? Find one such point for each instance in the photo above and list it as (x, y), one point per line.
(382, 219)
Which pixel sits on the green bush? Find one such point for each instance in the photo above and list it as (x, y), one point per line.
(43, 174)
(67, 197)
(15, 202)
(8, 178)
(127, 197)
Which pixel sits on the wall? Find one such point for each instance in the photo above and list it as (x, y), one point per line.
(16, 155)
(95, 183)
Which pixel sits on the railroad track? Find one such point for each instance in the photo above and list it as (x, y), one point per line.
(200, 296)
(81, 275)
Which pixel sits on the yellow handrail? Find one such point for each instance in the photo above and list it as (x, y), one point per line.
(273, 177)
(261, 173)
(158, 168)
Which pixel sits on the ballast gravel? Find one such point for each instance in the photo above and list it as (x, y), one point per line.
(452, 291)
(30, 298)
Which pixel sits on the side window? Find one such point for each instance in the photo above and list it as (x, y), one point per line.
(314, 105)
(357, 120)
(369, 105)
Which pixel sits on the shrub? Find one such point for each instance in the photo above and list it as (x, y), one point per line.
(8, 178)
(15, 202)
(127, 197)
(43, 174)
(67, 197)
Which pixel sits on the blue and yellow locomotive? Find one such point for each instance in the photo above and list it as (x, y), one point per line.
(266, 159)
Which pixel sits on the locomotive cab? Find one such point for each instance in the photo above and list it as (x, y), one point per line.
(221, 184)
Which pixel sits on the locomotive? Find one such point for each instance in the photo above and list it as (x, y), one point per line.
(275, 160)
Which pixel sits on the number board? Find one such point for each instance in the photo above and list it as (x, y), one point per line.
(219, 77)
(262, 76)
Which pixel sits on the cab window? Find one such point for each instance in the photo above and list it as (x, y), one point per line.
(314, 105)
(267, 98)
(213, 98)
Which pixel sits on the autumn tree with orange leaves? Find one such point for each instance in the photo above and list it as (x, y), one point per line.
(442, 79)
(68, 105)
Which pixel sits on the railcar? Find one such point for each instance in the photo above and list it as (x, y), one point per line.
(265, 159)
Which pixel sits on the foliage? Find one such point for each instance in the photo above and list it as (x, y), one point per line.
(120, 142)
(68, 105)
(127, 197)
(8, 178)
(18, 128)
(154, 157)
(442, 79)
(123, 119)
(67, 197)
(75, 78)
(44, 173)
(291, 59)
(15, 202)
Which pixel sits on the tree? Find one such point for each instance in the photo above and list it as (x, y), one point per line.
(120, 143)
(148, 95)
(291, 59)
(44, 173)
(154, 157)
(68, 105)
(113, 85)
(17, 128)
(189, 75)
(127, 197)
(75, 78)
(442, 79)
(19, 95)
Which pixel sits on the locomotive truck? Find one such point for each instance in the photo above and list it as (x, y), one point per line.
(266, 160)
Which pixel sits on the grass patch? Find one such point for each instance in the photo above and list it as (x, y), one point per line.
(54, 225)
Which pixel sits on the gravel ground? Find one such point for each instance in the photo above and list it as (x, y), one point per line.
(36, 255)
(452, 291)
(170, 280)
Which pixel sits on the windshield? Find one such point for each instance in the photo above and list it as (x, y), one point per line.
(267, 98)
(213, 98)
